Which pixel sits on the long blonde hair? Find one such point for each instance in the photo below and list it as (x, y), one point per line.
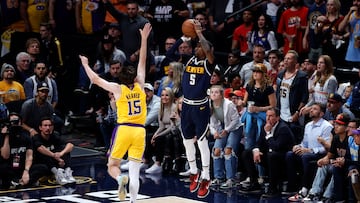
(163, 106)
(265, 81)
(178, 69)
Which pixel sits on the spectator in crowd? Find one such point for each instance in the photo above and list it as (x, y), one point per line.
(333, 160)
(234, 64)
(350, 19)
(310, 69)
(23, 70)
(241, 34)
(271, 10)
(203, 18)
(259, 97)
(32, 47)
(354, 165)
(334, 42)
(53, 152)
(164, 141)
(51, 48)
(30, 85)
(162, 61)
(12, 90)
(325, 83)
(169, 19)
(196, 112)
(311, 41)
(35, 108)
(355, 99)
(258, 57)
(32, 15)
(225, 128)
(216, 77)
(263, 34)
(274, 58)
(89, 21)
(173, 79)
(113, 30)
(62, 16)
(16, 160)
(292, 25)
(335, 106)
(275, 141)
(292, 93)
(310, 149)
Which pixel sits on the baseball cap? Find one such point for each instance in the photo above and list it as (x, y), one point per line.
(342, 119)
(107, 39)
(237, 93)
(114, 25)
(148, 86)
(42, 86)
(335, 97)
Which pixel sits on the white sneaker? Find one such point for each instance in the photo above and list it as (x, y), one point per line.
(60, 177)
(154, 169)
(122, 187)
(245, 182)
(185, 173)
(68, 175)
(124, 167)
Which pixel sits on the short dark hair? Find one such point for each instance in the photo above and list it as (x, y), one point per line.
(128, 75)
(276, 110)
(46, 118)
(277, 53)
(322, 106)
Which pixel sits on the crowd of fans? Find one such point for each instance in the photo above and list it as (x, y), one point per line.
(277, 107)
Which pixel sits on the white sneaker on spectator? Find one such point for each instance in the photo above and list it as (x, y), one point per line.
(125, 167)
(68, 175)
(154, 169)
(185, 173)
(60, 177)
(245, 182)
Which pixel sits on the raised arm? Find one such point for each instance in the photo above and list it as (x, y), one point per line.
(203, 42)
(141, 70)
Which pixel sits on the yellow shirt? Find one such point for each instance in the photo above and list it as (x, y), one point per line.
(131, 106)
(11, 92)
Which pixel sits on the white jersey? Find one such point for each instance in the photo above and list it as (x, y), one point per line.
(285, 85)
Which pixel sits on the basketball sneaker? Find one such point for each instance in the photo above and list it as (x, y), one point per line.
(68, 175)
(122, 187)
(194, 182)
(60, 177)
(204, 188)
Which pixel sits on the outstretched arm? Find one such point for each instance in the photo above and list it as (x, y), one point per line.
(94, 78)
(141, 70)
(203, 42)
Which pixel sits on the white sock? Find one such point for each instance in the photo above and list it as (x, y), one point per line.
(190, 155)
(54, 170)
(205, 158)
(134, 171)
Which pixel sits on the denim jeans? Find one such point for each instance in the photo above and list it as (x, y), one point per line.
(226, 165)
(319, 180)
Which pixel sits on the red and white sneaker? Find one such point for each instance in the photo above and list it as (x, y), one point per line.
(194, 182)
(204, 188)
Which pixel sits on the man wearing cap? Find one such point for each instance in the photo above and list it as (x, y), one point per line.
(354, 163)
(11, 90)
(34, 109)
(335, 107)
(332, 162)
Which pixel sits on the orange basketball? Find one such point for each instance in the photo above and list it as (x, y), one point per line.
(188, 28)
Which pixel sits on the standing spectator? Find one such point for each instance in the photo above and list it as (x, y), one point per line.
(167, 15)
(40, 76)
(311, 40)
(12, 90)
(355, 99)
(53, 152)
(354, 164)
(292, 25)
(16, 160)
(90, 16)
(33, 13)
(350, 19)
(292, 93)
(196, 112)
(32, 46)
(23, 70)
(258, 57)
(262, 33)
(225, 127)
(310, 149)
(220, 24)
(275, 140)
(274, 57)
(234, 64)
(62, 16)
(325, 83)
(162, 61)
(241, 34)
(207, 32)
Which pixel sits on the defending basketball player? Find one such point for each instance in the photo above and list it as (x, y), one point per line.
(195, 115)
(131, 115)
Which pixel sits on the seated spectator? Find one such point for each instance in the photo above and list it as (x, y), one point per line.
(335, 107)
(16, 160)
(166, 144)
(12, 90)
(354, 165)
(275, 140)
(225, 128)
(23, 70)
(34, 109)
(300, 158)
(234, 64)
(172, 79)
(216, 77)
(53, 152)
(333, 160)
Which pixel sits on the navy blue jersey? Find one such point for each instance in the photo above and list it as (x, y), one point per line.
(196, 79)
